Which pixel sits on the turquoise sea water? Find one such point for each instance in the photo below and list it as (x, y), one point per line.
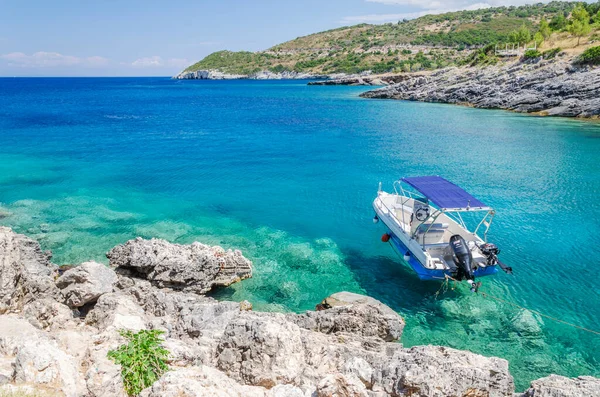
(287, 173)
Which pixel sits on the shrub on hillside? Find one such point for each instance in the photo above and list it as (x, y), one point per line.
(551, 53)
(531, 54)
(591, 56)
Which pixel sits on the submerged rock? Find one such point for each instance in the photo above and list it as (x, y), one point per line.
(192, 268)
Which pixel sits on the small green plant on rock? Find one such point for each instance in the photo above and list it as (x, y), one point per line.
(143, 360)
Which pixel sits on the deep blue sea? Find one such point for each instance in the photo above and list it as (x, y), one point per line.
(287, 173)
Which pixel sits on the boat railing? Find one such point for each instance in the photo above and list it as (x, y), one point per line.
(392, 214)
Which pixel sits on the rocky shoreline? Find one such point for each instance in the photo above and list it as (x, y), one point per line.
(57, 326)
(262, 75)
(553, 87)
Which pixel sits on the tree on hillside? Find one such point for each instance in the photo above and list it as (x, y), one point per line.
(579, 29)
(521, 36)
(538, 38)
(545, 30)
(559, 22)
(596, 19)
(580, 14)
(580, 23)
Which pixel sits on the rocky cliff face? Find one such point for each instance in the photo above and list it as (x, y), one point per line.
(55, 332)
(262, 75)
(544, 87)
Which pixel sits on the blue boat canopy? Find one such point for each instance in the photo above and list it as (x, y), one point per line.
(445, 194)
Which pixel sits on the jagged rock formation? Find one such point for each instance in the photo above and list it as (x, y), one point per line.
(545, 87)
(26, 273)
(194, 268)
(345, 348)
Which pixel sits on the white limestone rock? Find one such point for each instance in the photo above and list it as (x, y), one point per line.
(355, 314)
(37, 359)
(26, 273)
(560, 386)
(338, 385)
(192, 268)
(200, 381)
(86, 283)
(47, 313)
(116, 311)
(435, 371)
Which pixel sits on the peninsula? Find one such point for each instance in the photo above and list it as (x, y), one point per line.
(538, 59)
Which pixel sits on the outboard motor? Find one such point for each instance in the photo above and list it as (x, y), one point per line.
(462, 258)
(491, 252)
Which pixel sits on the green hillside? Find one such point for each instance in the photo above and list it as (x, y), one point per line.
(429, 42)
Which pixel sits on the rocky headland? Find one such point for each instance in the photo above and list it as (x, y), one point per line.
(554, 87)
(58, 324)
(262, 75)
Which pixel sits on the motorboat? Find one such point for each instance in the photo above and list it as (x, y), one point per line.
(425, 220)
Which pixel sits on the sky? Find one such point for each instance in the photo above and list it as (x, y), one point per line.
(160, 38)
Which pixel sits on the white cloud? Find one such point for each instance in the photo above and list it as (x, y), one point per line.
(148, 62)
(431, 7)
(158, 62)
(459, 4)
(380, 18)
(43, 59)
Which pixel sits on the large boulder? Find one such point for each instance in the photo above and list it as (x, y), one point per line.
(356, 314)
(435, 371)
(262, 350)
(86, 283)
(26, 273)
(192, 268)
(116, 311)
(560, 386)
(48, 314)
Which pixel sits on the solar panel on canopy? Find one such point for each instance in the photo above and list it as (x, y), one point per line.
(444, 193)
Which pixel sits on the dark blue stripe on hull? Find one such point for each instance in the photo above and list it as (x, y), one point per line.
(428, 274)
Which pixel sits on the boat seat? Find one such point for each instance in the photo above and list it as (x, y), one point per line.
(436, 226)
(433, 236)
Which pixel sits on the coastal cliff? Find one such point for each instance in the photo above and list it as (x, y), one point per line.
(553, 87)
(57, 326)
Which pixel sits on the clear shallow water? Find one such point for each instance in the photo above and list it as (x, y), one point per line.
(287, 173)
